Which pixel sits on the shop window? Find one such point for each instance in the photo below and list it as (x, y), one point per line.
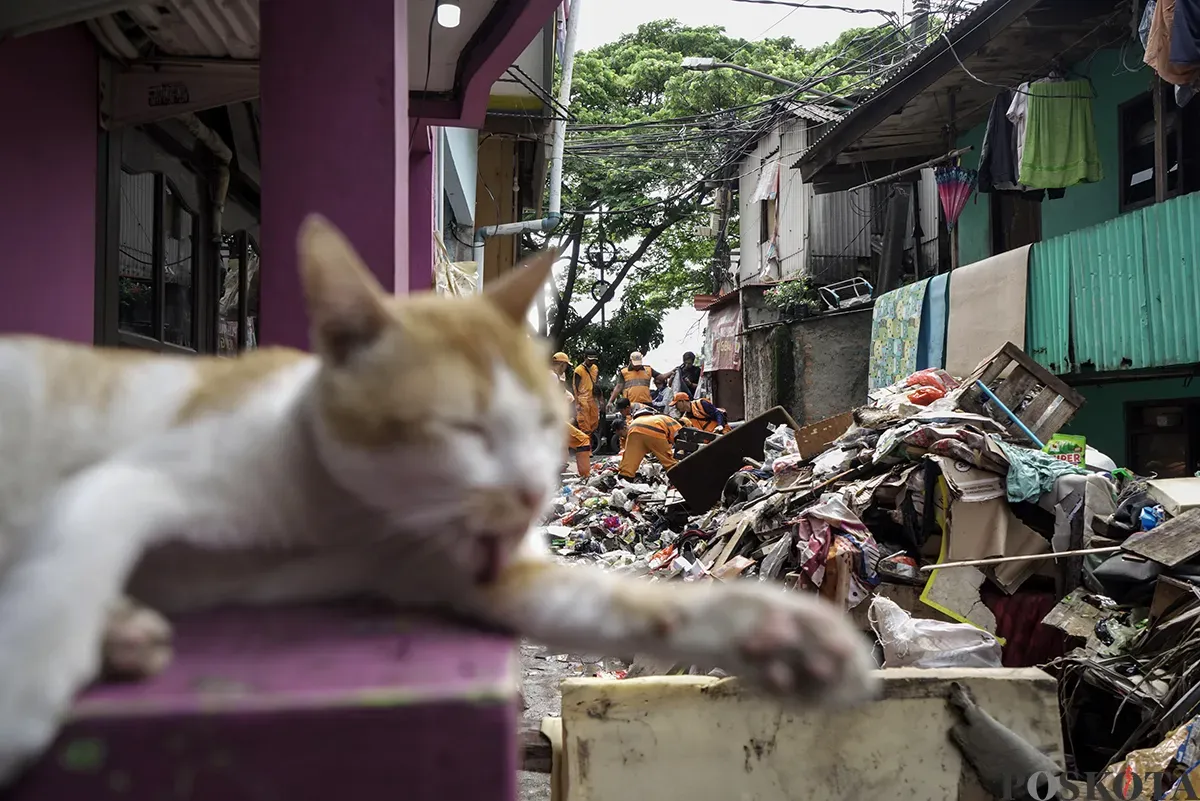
(156, 264)
(238, 294)
(1136, 132)
(1163, 438)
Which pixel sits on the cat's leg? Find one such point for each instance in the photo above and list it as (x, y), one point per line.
(137, 641)
(786, 642)
(56, 595)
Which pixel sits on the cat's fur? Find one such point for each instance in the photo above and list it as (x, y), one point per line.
(408, 457)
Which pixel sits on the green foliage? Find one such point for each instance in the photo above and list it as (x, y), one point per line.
(792, 295)
(632, 328)
(651, 168)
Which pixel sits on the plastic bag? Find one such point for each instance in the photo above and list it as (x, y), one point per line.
(923, 396)
(913, 642)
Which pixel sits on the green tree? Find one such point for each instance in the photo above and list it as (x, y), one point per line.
(647, 142)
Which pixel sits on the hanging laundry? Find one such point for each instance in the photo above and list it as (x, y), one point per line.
(1159, 47)
(1060, 139)
(997, 162)
(998, 159)
(1018, 115)
(1185, 34)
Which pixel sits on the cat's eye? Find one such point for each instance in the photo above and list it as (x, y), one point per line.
(471, 429)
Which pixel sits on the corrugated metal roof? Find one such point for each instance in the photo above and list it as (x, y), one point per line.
(185, 28)
(1173, 280)
(1048, 305)
(813, 112)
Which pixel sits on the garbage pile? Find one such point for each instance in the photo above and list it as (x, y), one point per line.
(956, 501)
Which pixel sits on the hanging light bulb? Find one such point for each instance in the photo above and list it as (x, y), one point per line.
(449, 13)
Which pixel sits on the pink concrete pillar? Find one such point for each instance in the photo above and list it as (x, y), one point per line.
(334, 140)
(48, 184)
(421, 205)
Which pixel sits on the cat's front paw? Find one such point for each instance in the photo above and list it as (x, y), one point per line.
(137, 641)
(794, 644)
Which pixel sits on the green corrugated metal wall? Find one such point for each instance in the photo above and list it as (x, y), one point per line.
(1173, 261)
(1127, 291)
(1047, 330)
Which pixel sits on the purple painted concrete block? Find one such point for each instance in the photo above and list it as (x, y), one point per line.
(297, 705)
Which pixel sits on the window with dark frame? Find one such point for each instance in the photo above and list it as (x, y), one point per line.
(1136, 134)
(1163, 437)
(158, 254)
(766, 220)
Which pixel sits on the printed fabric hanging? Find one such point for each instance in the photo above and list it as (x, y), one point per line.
(955, 185)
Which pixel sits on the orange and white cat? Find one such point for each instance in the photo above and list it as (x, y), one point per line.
(407, 457)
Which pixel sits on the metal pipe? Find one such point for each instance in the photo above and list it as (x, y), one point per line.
(564, 103)
(1011, 415)
(901, 173)
(547, 223)
(224, 156)
(998, 560)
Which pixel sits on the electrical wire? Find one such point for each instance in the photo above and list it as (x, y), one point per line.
(428, 69)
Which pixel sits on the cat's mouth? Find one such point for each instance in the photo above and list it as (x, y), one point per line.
(491, 559)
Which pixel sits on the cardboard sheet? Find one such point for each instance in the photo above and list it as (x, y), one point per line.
(987, 309)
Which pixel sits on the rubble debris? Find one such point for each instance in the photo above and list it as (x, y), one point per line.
(879, 504)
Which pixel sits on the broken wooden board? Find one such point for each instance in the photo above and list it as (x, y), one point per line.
(706, 739)
(815, 438)
(1172, 543)
(701, 477)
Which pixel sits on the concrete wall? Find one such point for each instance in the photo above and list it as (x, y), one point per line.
(459, 170)
(828, 357)
(1086, 204)
(48, 142)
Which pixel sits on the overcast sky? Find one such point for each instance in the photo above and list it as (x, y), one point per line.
(607, 20)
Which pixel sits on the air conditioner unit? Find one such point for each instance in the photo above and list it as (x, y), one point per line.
(705, 232)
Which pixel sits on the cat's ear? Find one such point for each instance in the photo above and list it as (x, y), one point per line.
(516, 291)
(345, 302)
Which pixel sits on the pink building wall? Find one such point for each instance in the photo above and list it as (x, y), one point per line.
(48, 101)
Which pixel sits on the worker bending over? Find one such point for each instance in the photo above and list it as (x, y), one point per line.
(587, 411)
(700, 413)
(649, 433)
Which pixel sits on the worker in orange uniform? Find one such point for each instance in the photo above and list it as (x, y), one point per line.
(579, 444)
(587, 411)
(633, 381)
(700, 413)
(649, 433)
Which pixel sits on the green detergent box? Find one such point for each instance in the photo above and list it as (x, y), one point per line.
(1069, 448)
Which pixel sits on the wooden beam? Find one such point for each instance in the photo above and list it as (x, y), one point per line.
(840, 178)
(927, 67)
(1160, 141)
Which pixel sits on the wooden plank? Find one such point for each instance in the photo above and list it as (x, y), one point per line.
(814, 438)
(1015, 388)
(1174, 542)
(536, 754)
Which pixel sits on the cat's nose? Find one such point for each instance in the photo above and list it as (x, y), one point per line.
(531, 499)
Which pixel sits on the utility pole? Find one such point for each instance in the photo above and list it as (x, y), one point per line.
(920, 25)
(721, 255)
